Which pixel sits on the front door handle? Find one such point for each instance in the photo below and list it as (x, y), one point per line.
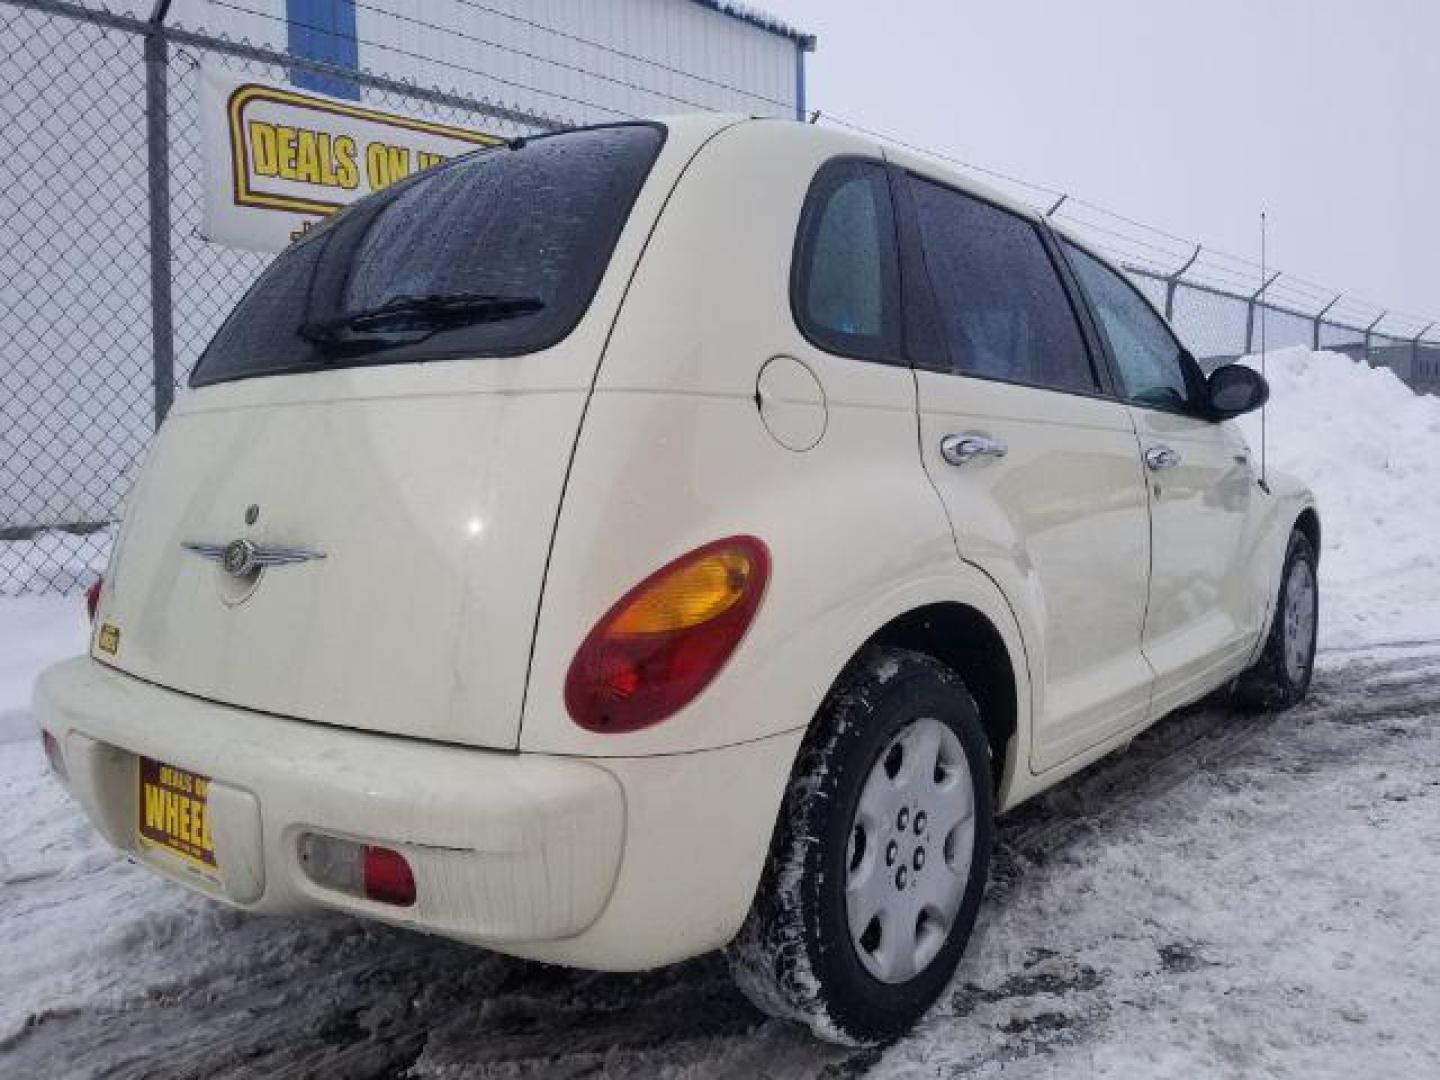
(1161, 457)
(963, 449)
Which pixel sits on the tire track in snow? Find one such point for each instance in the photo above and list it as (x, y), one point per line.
(217, 994)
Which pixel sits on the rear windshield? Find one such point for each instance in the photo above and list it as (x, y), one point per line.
(492, 254)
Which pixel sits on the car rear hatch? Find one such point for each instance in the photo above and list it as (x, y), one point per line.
(348, 520)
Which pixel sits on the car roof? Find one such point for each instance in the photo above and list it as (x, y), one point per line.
(860, 144)
(874, 146)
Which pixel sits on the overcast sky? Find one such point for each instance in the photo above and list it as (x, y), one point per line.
(1191, 116)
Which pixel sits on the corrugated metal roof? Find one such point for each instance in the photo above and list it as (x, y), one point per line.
(762, 19)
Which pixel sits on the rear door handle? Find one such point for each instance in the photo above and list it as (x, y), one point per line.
(963, 449)
(1161, 457)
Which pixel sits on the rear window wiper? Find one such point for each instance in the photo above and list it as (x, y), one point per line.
(404, 320)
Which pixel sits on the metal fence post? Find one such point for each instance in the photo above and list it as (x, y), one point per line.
(1320, 318)
(1415, 352)
(1370, 330)
(1173, 282)
(1250, 311)
(157, 143)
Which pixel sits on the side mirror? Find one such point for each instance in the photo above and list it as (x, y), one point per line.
(1234, 390)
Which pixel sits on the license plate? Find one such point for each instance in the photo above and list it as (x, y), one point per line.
(174, 813)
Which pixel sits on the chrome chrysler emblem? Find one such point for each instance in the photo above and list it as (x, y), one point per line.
(238, 558)
(241, 558)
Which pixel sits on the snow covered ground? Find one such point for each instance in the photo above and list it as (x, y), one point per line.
(1234, 897)
(35, 631)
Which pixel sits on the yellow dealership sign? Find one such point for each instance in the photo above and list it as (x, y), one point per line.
(278, 160)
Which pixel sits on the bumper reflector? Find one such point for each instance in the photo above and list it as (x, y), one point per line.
(356, 869)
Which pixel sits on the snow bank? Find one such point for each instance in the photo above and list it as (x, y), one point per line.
(35, 631)
(39, 627)
(1369, 447)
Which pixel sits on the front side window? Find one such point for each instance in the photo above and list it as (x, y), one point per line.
(1150, 361)
(493, 254)
(845, 288)
(1003, 311)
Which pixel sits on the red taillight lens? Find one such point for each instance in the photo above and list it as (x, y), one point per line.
(92, 597)
(387, 876)
(667, 638)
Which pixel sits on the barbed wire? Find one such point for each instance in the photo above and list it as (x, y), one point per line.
(659, 65)
(80, 287)
(423, 58)
(1155, 251)
(1213, 267)
(951, 159)
(523, 54)
(1288, 291)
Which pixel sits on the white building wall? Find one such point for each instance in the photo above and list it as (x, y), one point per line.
(587, 61)
(75, 356)
(576, 61)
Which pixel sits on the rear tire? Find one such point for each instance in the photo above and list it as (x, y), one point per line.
(1280, 679)
(880, 856)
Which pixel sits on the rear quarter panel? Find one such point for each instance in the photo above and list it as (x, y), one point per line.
(673, 453)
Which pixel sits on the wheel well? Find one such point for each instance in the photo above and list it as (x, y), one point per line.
(966, 642)
(1308, 524)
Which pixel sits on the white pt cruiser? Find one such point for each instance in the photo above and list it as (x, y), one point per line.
(629, 542)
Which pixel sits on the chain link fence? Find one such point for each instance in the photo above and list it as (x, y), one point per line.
(1220, 327)
(103, 308)
(108, 293)
(75, 356)
(1221, 316)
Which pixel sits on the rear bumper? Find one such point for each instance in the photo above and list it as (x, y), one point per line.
(590, 862)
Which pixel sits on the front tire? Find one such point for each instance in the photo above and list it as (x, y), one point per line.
(879, 860)
(1280, 679)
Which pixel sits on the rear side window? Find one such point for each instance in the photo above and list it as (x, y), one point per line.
(1002, 309)
(1149, 359)
(845, 288)
(493, 254)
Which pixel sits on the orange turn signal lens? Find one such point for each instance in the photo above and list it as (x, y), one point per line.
(691, 594)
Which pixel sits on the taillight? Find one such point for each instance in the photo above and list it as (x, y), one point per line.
(348, 866)
(92, 597)
(667, 638)
(53, 754)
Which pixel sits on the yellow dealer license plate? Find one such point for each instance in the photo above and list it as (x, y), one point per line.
(174, 815)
